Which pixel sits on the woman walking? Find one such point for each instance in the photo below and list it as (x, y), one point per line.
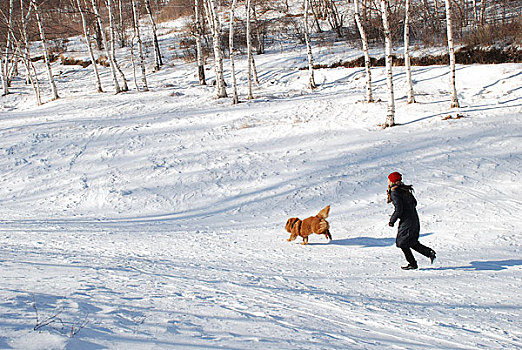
(405, 209)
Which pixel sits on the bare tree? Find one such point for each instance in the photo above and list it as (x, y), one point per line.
(311, 78)
(367, 61)
(26, 56)
(390, 113)
(106, 46)
(215, 26)
(198, 33)
(235, 98)
(250, 57)
(407, 62)
(451, 51)
(157, 53)
(260, 49)
(4, 61)
(45, 51)
(112, 32)
(137, 35)
(88, 41)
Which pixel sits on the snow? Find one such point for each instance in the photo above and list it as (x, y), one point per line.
(156, 220)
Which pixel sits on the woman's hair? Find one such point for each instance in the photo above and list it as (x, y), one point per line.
(398, 185)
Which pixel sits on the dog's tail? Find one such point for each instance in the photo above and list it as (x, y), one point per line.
(323, 214)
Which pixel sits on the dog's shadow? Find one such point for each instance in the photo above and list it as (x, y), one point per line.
(365, 242)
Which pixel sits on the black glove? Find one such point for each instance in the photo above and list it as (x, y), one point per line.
(391, 224)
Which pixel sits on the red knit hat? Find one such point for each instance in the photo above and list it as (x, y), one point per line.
(394, 177)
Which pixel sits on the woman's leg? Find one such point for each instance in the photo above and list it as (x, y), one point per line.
(409, 256)
(426, 251)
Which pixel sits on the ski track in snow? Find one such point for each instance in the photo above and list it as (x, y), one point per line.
(156, 220)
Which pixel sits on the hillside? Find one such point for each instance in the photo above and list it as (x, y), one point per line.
(156, 220)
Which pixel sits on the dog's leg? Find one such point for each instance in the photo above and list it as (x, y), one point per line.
(293, 236)
(305, 241)
(328, 235)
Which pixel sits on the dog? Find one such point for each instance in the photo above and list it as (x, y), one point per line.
(313, 224)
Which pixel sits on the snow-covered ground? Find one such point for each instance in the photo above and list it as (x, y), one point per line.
(156, 220)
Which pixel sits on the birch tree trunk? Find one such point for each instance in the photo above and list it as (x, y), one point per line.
(199, 49)
(367, 61)
(3, 75)
(88, 41)
(235, 98)
(157, 53)
(4, 64)
(106, 46)
(113, 45)
(390, 113)
(451, 51)
(45, 52)
(311, 78)
(27, 54)
(121, 27)
(215, 26)
(249, 47)
(407, 62)
(260, 49)
(140, 46)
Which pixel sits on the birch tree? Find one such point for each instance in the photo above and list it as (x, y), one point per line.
(26, 57)
(260, 49)
(451, 51)
(158, 61)
(199, 50)
(215, 27)
(235, 98)
(250, 58)
(407, 61)
(45, 51)
(251, 61)
(367, 61)
(137, 35)
(390, 113)
(89, 46)
(112, 32)
(311, 78)
(106, 46)
(4, 59)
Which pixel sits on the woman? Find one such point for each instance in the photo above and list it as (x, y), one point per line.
(405, 209)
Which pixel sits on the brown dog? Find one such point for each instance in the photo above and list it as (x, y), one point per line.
(313, 224)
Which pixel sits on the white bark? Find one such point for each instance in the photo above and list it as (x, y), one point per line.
(27, 54)
(367, 61)
(390, 113)
(215, 26)
(249, 47)
(45, 52)
(88, 41)
(4, 64)
(235, 98)
(407, 61)
(199, 49)
(311, 78)
(451, 51)
(121, 26)
(157, 53)
(3, 75)
(113, 45)
(106, 46)
(140, 46)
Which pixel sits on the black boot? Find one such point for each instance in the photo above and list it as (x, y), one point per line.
(432, 256)
(409, 267)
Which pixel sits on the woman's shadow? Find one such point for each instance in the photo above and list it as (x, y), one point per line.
(369, 242)
(495, 265)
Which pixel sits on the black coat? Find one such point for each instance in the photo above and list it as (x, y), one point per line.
(405, 210)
